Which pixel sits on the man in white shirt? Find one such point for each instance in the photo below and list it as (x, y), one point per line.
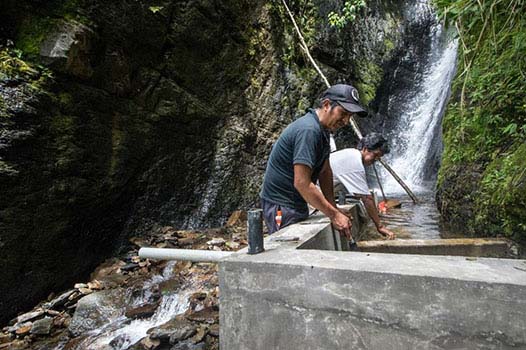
(348, 168)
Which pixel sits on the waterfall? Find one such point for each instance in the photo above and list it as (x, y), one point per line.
(415, 135)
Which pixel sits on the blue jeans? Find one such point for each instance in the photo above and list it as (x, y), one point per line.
(289, 216)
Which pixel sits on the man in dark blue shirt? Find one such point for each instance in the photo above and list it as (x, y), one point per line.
(300, 158)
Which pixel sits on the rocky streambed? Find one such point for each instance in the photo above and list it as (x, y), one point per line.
(133, 303)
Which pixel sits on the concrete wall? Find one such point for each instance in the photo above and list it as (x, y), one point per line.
(288, 298)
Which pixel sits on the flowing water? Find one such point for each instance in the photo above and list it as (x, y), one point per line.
(416, 144)
(119, 333)
(416, 140)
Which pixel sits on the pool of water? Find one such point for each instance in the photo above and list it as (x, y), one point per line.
(413, 221)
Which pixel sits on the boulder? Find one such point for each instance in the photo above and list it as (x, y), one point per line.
(42, 326)
(208, 315)
(59, 301)
(67, 48)
(142, 311)
(97, 309)
(28, 316)
(173, 331)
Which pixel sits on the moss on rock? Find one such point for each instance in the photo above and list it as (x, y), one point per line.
(500, 206)
(485, 123)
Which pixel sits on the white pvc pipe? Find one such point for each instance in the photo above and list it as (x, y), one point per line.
(182, 254)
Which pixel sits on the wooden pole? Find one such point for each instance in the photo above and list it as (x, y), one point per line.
(353, 123)
(400, 181)
(379, 183)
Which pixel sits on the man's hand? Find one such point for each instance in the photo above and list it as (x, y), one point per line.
(386, 233)
(342, 223)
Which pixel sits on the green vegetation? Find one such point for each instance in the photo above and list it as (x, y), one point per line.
(33, 29)
(349, 13)
(12, 65)
(31, 34)
(306, 16)
(370, 75)
(485, 123)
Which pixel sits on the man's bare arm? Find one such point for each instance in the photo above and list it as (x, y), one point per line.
(326, 183)
(309, 192)
(373, 214)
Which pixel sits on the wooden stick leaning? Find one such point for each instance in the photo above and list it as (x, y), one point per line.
(400, 181)
(353, 123)
(379, 183)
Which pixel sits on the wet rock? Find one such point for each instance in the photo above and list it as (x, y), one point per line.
(129, 267)
(174, 330)
(59, 301)
(237, 218)
(233, 245)
(42, 326)
(170, 285)
(113, 281)
(208, 315)
(53, 312)
(95, 285)
(200, 335)
(189, 346)
(95, 310)
(5, 338)
(29, 316)
(23, 329)
(14, 328)
(75, 343)
(118, 342)
(150, 344)
(216, 241)
(214, 330)
(139, 242)
(85, 291)
(14, 345)
(62, 320)
(183, 242)
(198, 296)
(143, 311)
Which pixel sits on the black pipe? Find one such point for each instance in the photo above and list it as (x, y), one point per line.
(255, 231)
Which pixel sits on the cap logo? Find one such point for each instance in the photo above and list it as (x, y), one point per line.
(355, 95)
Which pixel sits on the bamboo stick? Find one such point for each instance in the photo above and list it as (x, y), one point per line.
(379, 183)
(400, 181)
(353, 123)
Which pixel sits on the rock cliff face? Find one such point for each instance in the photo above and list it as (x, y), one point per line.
(482, 181)
(120, 115)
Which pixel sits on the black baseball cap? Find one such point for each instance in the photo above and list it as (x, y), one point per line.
(347, 97)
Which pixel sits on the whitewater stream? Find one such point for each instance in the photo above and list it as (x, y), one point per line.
(416, 139)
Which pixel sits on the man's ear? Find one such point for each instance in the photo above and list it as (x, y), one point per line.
(326, 103)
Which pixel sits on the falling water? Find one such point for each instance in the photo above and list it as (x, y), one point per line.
(122, 333)
(417, 136)
(414, 133)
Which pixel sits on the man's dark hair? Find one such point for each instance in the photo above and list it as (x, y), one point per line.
(374, 141)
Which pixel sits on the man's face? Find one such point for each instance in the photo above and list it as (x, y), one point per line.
(369, 157)
(338, 117)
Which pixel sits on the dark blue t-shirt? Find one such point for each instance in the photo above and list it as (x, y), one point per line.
(304, 141)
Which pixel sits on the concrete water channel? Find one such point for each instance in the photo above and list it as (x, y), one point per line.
(305, 291)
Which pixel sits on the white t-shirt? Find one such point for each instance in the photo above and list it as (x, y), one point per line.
(348, 170)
